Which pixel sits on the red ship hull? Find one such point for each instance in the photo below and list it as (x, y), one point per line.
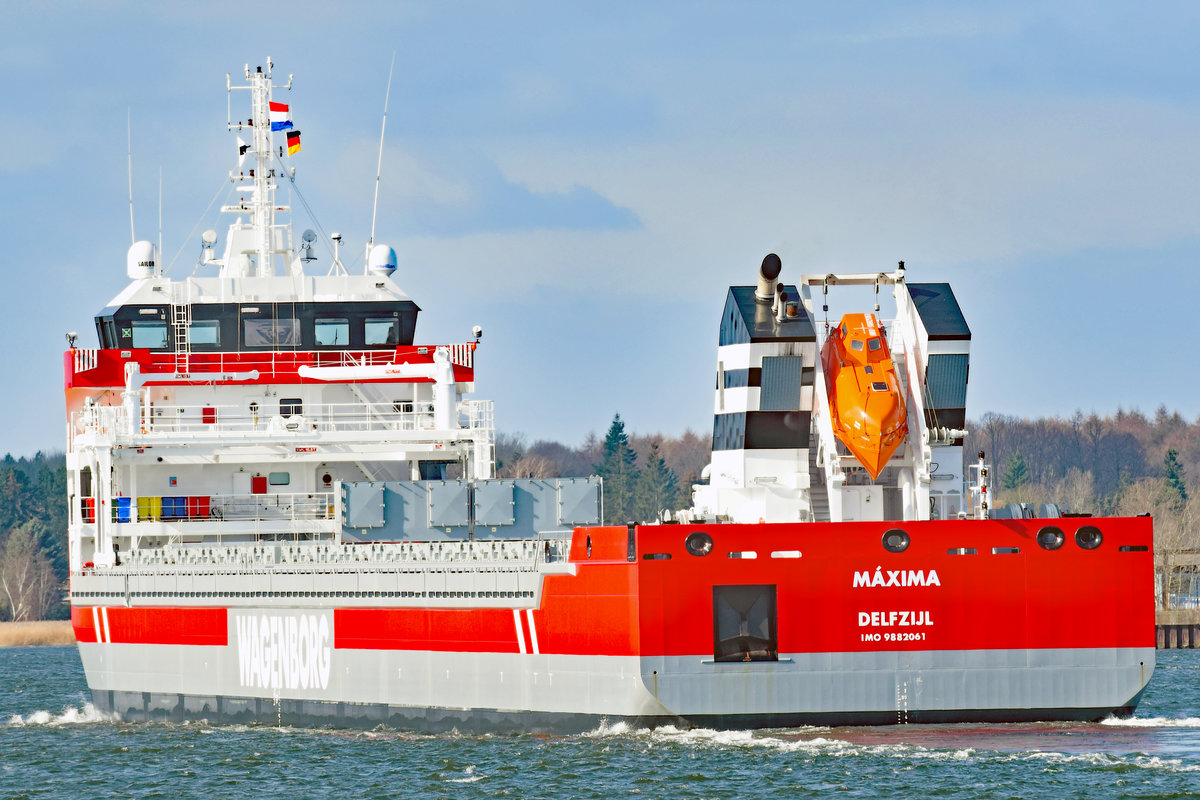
(977, 610)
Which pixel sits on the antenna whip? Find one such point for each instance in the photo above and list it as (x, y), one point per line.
(379, 166)
(129, 142)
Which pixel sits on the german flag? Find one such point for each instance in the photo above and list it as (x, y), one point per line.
(293, 141)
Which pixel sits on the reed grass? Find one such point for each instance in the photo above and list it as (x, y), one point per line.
(39, 632)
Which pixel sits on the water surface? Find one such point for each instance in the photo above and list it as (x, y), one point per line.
(53, 743)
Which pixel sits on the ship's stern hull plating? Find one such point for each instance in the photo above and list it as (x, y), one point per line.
(774, 625)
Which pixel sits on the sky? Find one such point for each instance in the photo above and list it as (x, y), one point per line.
(585, 180)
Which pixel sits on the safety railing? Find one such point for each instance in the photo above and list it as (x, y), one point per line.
(220, 421)
(271, 362)
(459, 557)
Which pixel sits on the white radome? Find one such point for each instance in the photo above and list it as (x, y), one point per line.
(141, 260)
(382, 260)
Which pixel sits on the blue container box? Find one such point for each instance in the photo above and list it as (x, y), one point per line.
(121, 508)
(174, 507)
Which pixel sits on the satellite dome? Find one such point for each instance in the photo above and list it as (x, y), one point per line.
(382, 260)
(141, 261)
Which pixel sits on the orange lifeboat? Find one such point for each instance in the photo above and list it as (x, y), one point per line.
(864, 394)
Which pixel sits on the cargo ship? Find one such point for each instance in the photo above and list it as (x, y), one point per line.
(285, 509)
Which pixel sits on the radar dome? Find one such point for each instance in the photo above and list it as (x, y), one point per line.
(141, 261)
(382, 260)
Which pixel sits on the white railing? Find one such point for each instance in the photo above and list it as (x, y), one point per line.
(192, 519)
(362, 358)
(274, 362)
(462, 354)
(86, 359)
(259, 507)
(223, 421)
(457, 556)
(288, 506)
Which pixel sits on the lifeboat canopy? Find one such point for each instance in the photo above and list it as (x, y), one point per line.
(865, 401)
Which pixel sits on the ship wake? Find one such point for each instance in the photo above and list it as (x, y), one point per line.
(71, 715)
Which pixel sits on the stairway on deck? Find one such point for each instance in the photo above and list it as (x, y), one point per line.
(818, 495)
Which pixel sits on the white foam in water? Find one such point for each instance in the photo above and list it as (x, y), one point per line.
(615, 729)
(1153, 722)
(1109, 760)
(469, 776)
(821, 746)
(694, 735)
(817, 746)
(69, 716)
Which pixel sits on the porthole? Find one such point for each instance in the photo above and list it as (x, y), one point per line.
(1089, 537)
(1051, 537)
(698, 543)
(895, 541)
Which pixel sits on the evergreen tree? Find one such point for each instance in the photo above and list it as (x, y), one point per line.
(19, 501)
(618, 468)
(1016, 474)
(52, 485)
(33, 535)
(657, 488)
(685, 489)
(1174, 490)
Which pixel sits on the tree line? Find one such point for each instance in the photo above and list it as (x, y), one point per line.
(642, 474)
(1123, 464)
(33, 537)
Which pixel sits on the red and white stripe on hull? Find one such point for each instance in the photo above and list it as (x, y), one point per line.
(973, 617)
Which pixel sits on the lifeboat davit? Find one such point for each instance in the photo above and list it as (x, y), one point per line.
(864, 394)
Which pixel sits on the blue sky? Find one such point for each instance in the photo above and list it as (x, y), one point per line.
(584, 180)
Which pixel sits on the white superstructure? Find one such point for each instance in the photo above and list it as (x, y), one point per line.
(230, 408)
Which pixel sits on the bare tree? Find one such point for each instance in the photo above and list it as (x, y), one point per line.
(1075, 492)
(1173, 542)
(529, 466)
(27, 583)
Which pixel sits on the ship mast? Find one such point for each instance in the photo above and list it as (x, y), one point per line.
(260, 183)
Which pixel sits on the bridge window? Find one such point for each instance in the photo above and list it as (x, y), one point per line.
(332, 332)
(151, 335)
(206, 332)
(267, 332)
(381, 330)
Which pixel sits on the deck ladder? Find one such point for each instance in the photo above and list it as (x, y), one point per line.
(181, 320)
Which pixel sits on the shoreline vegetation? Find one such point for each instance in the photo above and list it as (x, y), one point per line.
(36, 633)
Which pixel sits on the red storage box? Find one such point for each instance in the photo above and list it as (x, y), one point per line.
(258, 484)
(197, 507)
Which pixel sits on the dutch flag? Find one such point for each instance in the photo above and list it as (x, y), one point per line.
(279, 117)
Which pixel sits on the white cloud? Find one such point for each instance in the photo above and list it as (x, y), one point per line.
(939, 178)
